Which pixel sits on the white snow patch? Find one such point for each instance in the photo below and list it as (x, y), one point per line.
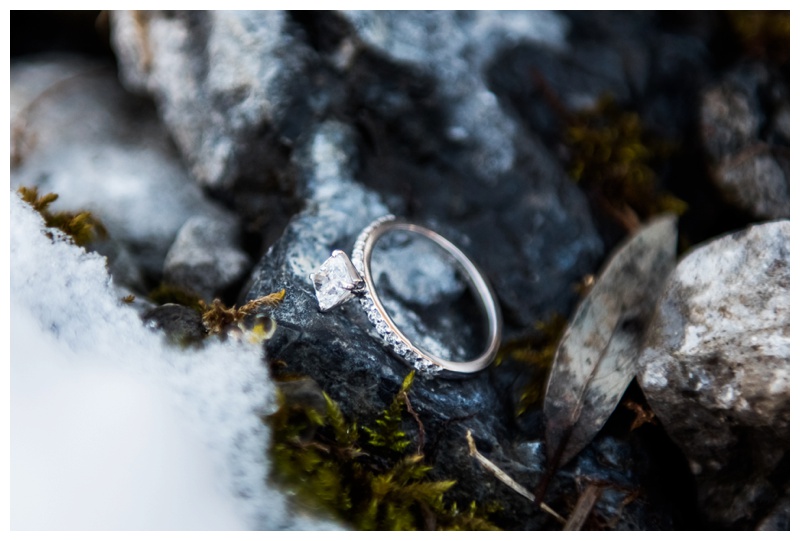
(111, 428)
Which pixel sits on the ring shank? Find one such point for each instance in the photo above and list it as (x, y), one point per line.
(477, 282)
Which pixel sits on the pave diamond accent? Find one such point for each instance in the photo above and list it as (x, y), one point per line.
(336, 281)
(394, 342)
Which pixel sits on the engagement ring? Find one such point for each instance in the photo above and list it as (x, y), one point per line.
(339, 279)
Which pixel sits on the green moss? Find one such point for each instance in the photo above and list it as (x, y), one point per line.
(536, 352)
(168, 293)
(762, 33)
(387, 431)
(81, 228)
(361, 475)
(612, 159)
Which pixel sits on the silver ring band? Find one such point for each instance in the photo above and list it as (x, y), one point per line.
(339, 279)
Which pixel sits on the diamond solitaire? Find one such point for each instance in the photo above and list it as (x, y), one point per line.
(336, 281)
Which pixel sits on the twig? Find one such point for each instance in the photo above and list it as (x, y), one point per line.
(505, 478)
(419, 423)
(582, 509)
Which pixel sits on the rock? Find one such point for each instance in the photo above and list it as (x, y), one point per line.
(269, 79)
(627, 56)
(340, 351)
(77, 133)
(745, 134)
(755, 180)
(181, 324)
(205, 257)
(337, 348)
(453, 50)
(729, 121)
(241, 128)
(234, 89)
(778, 519)
(715, 369)
(257, 77)
(498, 188)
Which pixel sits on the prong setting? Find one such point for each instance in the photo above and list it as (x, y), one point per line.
(336, 281)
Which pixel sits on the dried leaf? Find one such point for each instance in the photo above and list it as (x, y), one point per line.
(582, 509)
(595, 361)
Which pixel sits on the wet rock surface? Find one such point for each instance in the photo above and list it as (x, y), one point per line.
(715, 369)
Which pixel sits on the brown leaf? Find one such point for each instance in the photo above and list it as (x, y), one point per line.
(595, 361)
(642, 415)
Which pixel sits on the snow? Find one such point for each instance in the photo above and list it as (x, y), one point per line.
(114, 429)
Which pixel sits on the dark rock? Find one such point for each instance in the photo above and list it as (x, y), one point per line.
(745, 134)
(778, 519)
(181, 324)
(452, 50)
(545, 84)
(715, 369)
(205, 257)
(626, 56)
(388, 68)
(340, 351)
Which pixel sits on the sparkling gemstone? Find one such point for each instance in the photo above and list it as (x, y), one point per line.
(335, 281)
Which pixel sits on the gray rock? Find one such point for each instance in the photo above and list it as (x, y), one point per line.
(232, 87)
(745, 133)
(754, 180)
(715, 369)
(237, 90)
(729, 121)
(486, 174)
(76, 132)
(255, 77)
(205, 257)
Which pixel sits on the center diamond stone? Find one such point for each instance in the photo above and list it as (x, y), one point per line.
(336, 281)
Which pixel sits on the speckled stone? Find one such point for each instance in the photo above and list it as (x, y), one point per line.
(715, 369)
